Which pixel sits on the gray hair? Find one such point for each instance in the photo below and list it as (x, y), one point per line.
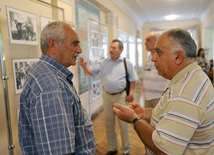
(182, 40)
(54, 30)
(119, 42)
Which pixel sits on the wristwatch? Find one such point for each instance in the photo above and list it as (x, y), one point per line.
(134, 121)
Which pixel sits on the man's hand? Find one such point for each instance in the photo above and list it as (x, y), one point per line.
(137, 109)
(130, 98)
(84, 65)
(82, 62)
(124, 112)
(143, 113)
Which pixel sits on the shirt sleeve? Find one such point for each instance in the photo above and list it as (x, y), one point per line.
(96, 68)
(85, 141)
(176, 125)
(131, 71)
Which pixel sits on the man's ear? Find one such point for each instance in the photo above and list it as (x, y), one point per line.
(179, 57)
(121, 51)
(52, 45)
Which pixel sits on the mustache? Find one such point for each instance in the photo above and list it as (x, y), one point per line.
(75, 55)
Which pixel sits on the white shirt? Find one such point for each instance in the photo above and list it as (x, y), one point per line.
(153, 84)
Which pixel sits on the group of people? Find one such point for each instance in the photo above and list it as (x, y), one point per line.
(180, 120)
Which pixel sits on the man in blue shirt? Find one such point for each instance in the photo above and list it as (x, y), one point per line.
(113, 78)
(52, 120)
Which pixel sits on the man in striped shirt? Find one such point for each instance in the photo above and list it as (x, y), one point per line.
(183, 120)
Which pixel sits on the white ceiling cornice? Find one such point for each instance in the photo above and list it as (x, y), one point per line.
(208, 10)
(128, 10)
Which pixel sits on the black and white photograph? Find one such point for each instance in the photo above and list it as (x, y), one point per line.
(20, 69)
(96, 89)
(94, 39)
(45, 21)
(22, 27)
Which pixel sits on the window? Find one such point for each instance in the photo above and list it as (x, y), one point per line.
(140, 52)
(132, 51)
(122, 36)
(194, 34)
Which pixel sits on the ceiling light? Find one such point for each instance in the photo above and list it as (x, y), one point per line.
(170, 17)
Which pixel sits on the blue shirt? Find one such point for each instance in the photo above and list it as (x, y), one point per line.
(52, 120)
(113, 74)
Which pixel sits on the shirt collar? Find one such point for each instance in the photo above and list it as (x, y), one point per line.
(119, 59)
(57, 66)
(182, 73)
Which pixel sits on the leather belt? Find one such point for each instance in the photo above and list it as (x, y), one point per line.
(114, 93)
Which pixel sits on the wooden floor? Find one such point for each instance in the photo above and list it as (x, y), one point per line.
(100, 134)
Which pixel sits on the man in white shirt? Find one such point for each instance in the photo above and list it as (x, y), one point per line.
(153, 84)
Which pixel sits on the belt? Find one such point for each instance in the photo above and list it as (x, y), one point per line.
(114, 93)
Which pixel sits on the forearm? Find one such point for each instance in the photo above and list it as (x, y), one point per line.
(144, 131)
(132, 86)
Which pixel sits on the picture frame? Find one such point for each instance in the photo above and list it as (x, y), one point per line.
(45, 21)
(22, 27)
(94, 39)
(96, 89)
(20, 69)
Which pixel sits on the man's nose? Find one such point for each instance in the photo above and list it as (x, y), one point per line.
(154, 56)
(79, 50)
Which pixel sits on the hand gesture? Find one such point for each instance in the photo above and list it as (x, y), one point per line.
(124, 113)
(137, 109)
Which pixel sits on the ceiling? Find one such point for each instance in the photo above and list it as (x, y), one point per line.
(154, 10)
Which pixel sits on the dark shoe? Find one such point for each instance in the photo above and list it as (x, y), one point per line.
(111, 152)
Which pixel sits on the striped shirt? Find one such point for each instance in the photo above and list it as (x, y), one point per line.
(52, 120)
(184, 117)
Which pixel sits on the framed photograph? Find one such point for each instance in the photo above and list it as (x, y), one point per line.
(45, 21)
(20, 70)
(96, 89)
(22, 27)
(94, 39)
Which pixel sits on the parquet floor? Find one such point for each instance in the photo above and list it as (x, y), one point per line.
(100, 134)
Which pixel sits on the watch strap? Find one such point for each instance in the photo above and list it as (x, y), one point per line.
(135, 120)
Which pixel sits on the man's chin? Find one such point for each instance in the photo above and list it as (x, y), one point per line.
(73, 63)
(159, 73)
